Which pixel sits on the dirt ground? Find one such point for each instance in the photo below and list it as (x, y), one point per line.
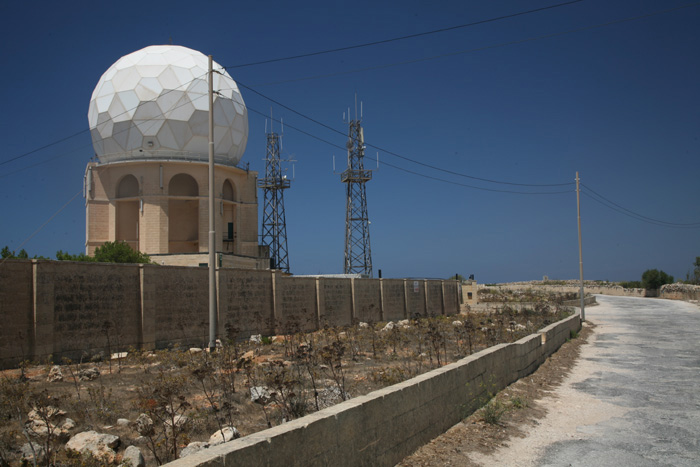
(199, 394)
(522, 404)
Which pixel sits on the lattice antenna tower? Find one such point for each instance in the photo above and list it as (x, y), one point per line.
(358, 253)
(274, 225)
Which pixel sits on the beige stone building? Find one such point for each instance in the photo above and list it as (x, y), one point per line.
(148, 185)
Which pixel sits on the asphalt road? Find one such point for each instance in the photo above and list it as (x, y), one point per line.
(644, 365)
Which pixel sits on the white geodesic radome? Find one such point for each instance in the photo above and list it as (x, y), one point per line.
(153, 104)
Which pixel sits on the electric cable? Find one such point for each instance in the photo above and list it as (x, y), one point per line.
(48, 145)
(411, 171)
(45, 223)
(478, 49)
(636, 215)
(379, 148)
(400, 38)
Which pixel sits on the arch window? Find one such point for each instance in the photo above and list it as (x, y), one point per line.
(183, 215)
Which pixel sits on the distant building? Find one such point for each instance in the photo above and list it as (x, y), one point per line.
(149, 184)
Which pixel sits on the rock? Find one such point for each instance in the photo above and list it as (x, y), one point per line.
(195, 350)
(193, 447)
(389, 326)
(457, 323)
(123, 422)
(98, 445)
(144, 425)
(330, 396)
(259, 394)
(55, 374)
(119, 355)
(89, 374)
(179, 420)
(362, 324)
(28, 454)
(49, 412)
(276, 339)
(249, 354)
(229, 433)
(133, 456)
(69, 424)
(404, 323)
(256, 338)
(141, 440)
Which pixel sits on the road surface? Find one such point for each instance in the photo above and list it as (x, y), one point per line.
(633, 399)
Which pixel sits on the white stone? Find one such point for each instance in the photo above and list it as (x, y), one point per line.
(134, 457)
(99, 445)
(389, 326)
(256, 338)
(123, 422)
(193, 447)
(55, 375)
(362, 325)
(28, 454)
(229, 433)
(259, 394)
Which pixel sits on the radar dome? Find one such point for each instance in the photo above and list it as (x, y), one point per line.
(153, 104)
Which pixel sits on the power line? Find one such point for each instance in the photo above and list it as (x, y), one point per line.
(391, 153)
(47, 221)
(628, 212)
(430, 177)
(410, 36)
(28, 153)
(481, 49)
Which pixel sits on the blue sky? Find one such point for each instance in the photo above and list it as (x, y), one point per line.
(619, 103)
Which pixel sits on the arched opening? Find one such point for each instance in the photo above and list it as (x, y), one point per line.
(229, 222)
(183, 214)
(127, 215)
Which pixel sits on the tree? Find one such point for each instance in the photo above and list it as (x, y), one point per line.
(119, 252)
(654, 279)
(694, 277)
(62, 256)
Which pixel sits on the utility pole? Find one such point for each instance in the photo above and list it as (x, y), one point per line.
(212, 224)
(580, 249)
(358, 254)
(274, 224)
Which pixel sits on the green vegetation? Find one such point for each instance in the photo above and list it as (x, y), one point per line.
(631, 284)
(110, 252)
(694, 277)
(654, 279)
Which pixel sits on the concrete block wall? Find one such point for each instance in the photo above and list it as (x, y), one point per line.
(68, 309)
(383, 427)
(16, 305)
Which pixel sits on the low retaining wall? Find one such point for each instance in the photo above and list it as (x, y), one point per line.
(680, 292)
(385, 426)
(71, 309)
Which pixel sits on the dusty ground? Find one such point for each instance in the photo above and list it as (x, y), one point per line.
(206, 391)
(471, 442)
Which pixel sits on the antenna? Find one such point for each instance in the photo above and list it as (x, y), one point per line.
(274, 225)
(358, 254)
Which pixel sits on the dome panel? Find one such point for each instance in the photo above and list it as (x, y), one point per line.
(150, 127)
(126, 79)
(156, 98)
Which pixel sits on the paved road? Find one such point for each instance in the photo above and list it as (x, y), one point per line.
(644, 365)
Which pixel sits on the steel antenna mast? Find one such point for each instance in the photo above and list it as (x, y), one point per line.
(274, 224)
(358, 253)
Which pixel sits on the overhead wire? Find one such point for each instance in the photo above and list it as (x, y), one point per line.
(46, 223)
(53, 143)
(400, 38)
(318, 138)
(628, 212)
(392, 153)
(478, 49)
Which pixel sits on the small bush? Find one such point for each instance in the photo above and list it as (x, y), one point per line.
(493, 412)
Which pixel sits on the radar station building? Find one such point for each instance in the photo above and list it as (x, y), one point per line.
(148, 183)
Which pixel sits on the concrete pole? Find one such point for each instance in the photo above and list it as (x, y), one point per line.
(580, 250)
(212, 223)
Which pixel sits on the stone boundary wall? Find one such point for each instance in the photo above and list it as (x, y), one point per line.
(71, 309)
(383, 427)
(614, 290)
(680, 291)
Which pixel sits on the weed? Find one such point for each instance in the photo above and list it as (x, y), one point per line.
(518, 402)
(573, 334)
(493, 411)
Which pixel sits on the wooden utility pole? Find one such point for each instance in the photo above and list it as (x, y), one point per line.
(580, 249)
(212, 223)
